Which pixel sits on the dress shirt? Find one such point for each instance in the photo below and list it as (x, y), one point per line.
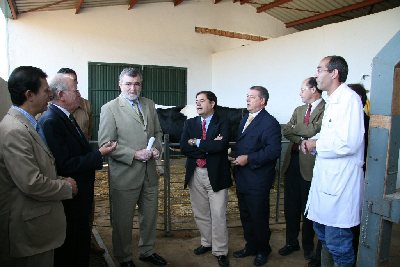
(335, 194)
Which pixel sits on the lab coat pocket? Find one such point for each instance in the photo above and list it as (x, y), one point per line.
(333, 179)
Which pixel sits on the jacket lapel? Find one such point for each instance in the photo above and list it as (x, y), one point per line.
(126, 105)
(21, 118)
(317, 110)
(71, 127)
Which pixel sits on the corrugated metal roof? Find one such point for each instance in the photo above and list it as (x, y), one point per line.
(299, 14)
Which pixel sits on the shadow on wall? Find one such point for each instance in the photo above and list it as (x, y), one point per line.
(5, 101)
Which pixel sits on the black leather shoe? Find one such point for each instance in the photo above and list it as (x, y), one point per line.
(223, 261)
(288, 249)
(127, 264)
(260, 259)
(201, 250)
(314, 263)
(308, 255)
(243, 253)
(154, 259)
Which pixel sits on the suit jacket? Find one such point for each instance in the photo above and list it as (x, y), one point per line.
(214, 151)
(73, 154)
(32, 217)
(261, 141)
(120, 122)
(296, 129)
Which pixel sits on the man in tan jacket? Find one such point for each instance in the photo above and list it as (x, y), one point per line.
(32, 220)
(298, 167)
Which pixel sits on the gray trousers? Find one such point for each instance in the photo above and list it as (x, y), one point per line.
(123, 206)
(209, 209)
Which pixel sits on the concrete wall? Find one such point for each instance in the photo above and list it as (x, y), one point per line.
(152, 34)
(5, 101)
(282, 64)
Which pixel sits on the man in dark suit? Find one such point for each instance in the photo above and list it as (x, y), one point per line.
(74, 157)
(257, 149)
(297, 167)
(32, 220)
(205, 141)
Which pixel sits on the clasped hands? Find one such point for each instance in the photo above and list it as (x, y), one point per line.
(308, 146)
(145, 155)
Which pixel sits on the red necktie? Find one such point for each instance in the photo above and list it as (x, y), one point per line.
(202, 162)
(308, 113)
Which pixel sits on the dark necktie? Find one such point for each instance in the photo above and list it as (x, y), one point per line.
(76, 125)
(308, 113)
(202, 162)
(39, 130)
(137, 109)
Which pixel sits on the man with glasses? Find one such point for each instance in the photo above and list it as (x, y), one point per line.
(335, 193)
(73, 157)
(297, 168)
(257, 149)
(131, 120)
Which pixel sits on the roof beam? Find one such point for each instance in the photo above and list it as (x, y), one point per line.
(271, 5)
(44, 6)
(228, 34)
(217, 1)
(132, 3)
(332, 12)
(78, 7)
(13, 8)
(177, 2)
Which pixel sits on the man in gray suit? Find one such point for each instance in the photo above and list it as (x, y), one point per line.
(32, 220)
(132, 120)
(297, 167)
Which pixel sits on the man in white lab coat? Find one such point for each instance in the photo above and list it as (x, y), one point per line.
(335, 195)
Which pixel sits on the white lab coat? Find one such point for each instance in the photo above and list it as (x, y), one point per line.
(335, 194)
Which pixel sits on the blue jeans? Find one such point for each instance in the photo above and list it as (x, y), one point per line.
(338, 241)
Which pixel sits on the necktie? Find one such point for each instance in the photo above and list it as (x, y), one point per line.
(308, 113)
(249, 120)
(76, 125)
(137, 109)
(39, 130)
(202, 162)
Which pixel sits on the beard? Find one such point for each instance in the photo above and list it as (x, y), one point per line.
(130, 97)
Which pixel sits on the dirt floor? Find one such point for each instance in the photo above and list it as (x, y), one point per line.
(177, 247)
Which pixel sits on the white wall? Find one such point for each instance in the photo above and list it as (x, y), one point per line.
(3, 48)
(151, 34)
(282, 64)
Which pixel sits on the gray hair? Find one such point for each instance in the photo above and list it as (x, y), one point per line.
(58, 84)
(131, 72)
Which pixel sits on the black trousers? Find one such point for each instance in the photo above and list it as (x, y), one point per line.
(254, 215)
(295, 197)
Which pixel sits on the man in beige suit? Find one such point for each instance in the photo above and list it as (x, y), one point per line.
(32, 220)
(132, 120)
(298, 167)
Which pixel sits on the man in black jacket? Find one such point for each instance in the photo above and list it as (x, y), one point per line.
(205, 141)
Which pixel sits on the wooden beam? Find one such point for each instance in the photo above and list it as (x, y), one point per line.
(132, 3)
(271, 5)
(217, 1)
(44, 6)
(235, 35)
(177, 2)
(78, 7)
(332, 12)
(242, 2)
(13, 8)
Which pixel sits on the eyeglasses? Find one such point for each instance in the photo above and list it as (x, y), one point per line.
(319, 70)
(138, 84)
